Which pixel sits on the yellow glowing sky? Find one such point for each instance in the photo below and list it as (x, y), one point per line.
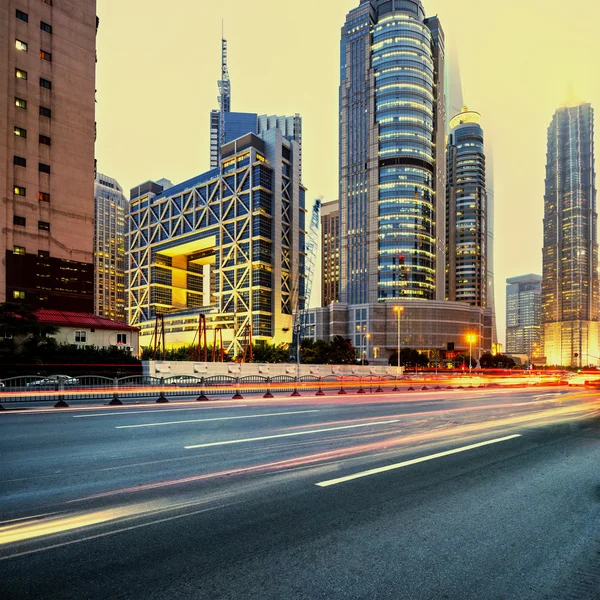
(158, 63)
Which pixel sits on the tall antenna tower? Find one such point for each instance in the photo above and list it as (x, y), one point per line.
(224, 90)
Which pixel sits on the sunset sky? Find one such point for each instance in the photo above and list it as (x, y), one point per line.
(158, 63)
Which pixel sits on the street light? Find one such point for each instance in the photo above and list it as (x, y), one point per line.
(368, 337)
(398, 310)
(471, 338)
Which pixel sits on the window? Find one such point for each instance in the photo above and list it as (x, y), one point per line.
(45, 112)
(19, 250)
(20, 191)
(44, 225)
(43, 254)
(18, 295)
(43, 197)
(121, 338)
(45, 83)
(44, 168)
(20, 103)
(44, 139)
(45, 27)
(19, 161)
(23, 16)
(80, 337)
(49, 2)
(46, 55)
(20, 45)
(22, 221)
(20, 74)
(19, 131)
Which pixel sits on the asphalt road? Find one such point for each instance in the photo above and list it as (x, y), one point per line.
(470, 494)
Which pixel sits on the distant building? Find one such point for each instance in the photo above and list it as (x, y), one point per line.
(228, 244)
(111, 211)
(330, 252)
(524, 316)
(85, 329)
(570, 285)
(47, 133)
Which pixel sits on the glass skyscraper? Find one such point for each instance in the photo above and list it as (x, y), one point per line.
(524, 316)
(570, 288)
(467, 252)
(392, 171)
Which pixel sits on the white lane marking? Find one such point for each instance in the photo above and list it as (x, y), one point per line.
(166, 409)
(296, 412)
(414, 461)
(285, 435)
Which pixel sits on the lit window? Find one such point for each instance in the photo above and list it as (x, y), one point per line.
(19, 250)
(22, 15)
(43, 168)
(18, 295)
(20, 103)
(45, 83)
(19, 45)
(43, 197)
(20, 132)
(20, 191)
(44, 139)
(45, 27)
(80, 337)
(20, 74)
(46, 55)
(44, 225)
(19, 161)
(45, 112)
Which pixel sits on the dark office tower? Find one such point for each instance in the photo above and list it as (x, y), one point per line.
(467, 252)
(330, 253)
(570, 293)
(392, 171)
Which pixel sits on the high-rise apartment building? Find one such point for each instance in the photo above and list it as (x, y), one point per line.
(330, 252)
(570, 286)
(524, 316)
(47, 132)
(467, 252)
(229, 244)
(111, 213)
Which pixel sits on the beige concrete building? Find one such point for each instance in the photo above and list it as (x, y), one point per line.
(47, 131)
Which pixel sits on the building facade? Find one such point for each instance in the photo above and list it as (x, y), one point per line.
(111, 210)
(570, 286)
(229, 244)
(392, 172)
(330, 252)
(524, 316)
(47, 132)
(467, 252)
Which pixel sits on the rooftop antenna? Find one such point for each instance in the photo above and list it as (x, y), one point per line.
(224, 87)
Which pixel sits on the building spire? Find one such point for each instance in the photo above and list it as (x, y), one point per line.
(224, 87)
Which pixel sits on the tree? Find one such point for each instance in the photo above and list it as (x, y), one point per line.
(341, 351)
(409, 358)
(497, 361)
(263, 352)
(314, 352)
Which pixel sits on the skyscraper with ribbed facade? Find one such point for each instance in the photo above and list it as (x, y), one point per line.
(467, 252)
(570, 287)
(392, 171)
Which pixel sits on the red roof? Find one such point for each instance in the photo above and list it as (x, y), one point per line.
(63, 318)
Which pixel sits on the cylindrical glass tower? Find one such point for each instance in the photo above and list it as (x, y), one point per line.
(403, 64)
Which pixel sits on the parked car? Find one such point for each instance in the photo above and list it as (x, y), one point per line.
(53, 380)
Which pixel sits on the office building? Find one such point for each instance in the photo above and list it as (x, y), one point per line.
(524, 316)
(570, 287)
(111, 213)
(228, 244)
(392, 171)
(330, 252)
(47, 132)
(467, 252)
(227, 126)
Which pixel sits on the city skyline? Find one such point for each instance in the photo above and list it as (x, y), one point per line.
(515, 89)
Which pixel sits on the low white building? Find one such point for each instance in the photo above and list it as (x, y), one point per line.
(85, 329)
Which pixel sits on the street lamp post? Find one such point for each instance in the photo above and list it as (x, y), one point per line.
(471, 337)
(398, 310)
(368, 337)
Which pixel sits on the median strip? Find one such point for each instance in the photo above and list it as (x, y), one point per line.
(414, 461)
(281, 414)
(285, 435)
